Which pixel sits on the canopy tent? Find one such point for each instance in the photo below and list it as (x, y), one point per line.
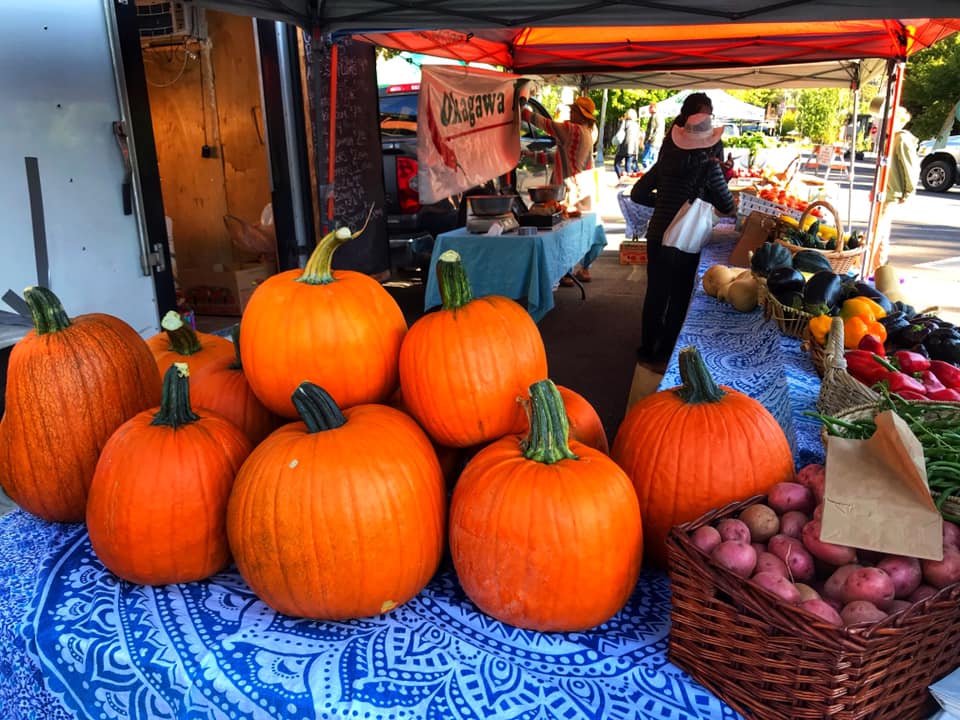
(404, 69)
(725, 106)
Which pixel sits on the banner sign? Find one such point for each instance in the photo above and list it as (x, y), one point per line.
(468, 130)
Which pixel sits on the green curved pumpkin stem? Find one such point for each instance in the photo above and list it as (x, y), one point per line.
(698, 385)
(183, 338)
(316, 408)
(455, 291)
(318, 270)
(237, 364)
(46, 309)
(175, 407)
(547, 441)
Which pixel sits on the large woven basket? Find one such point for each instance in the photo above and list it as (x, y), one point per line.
(792, 322)
(841, 260)
(773, 661)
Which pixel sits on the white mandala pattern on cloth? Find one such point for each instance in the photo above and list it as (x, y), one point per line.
(212, 650)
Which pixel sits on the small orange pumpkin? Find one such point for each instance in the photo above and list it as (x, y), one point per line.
(339, 329)
(178, 342)
(340, 515)
(697, 447)
(70, 384)
(546, 534)
(464, 367)
(585, 423)
(158, 502)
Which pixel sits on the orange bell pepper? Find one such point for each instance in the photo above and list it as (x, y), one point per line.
(819, 327)
(854, 328)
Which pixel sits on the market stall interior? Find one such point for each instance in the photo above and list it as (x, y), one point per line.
(81, 641)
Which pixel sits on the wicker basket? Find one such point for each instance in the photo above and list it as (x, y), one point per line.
(792, 322)
(773, 661)
(839, 390)
(840, 260)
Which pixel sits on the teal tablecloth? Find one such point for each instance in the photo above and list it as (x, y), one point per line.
(518, 266)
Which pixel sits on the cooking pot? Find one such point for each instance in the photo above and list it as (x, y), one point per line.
(490, 205)
(546, 193)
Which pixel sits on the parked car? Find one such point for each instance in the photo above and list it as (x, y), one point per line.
(939, 168)
(411, 225)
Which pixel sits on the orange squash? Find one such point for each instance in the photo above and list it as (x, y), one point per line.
(338, 329)
(546, 534)
(178, 342)
(585, 423)
(70, 384)
(157, 510)
(696, 447)
(464, 367)
(340, 515)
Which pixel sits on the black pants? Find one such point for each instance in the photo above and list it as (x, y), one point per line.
(670, 278)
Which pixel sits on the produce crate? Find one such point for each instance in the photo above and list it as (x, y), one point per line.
(773, 661)
(749, 203)
(633, 252)
(223, 289)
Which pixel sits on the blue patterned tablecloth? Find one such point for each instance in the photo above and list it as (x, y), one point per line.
(114, 650)
(522, 267)
(750, 354)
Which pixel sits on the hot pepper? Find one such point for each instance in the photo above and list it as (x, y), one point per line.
(854, 328)
(946, 373)
(911, 395)
(899, 382)
(864, 366)
(872, 344)
(931, 383)
(945, 395)
(819, 326)
(911, 362)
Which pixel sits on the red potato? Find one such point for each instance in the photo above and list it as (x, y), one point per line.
(941, 573)
(733, 529)
(895, 606)
(870, 584)
(834, 603)
(737, 557)
(770, 563)
(759, 547)
(795, 556)
(861, 611)
(778, 585)
(922, 593)
(786, 496)
(705, 538)
(836, 555)
(833, 587)
(792, 522)
(951, 534)
(813, 477)
(823, 609)
(762, 520)
(818, 512)
(905, 572)
(807, 592)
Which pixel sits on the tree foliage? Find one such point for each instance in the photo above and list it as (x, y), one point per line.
(819, 113)
(931, 86)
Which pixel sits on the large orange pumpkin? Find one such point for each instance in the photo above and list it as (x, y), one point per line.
(546, 534)
(70, 384)
(696, 447)
(338, 329)
(464, 368)
(585, 423)
(340, 515)
(157, 510)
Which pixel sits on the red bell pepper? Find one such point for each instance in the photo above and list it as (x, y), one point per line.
(910, 395)
(900, 383)
(864, 366)
(945, 395)
(946, 373)
(931, 383)
(911, 362)
(872, 344)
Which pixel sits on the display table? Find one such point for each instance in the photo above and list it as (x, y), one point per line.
(522, 267)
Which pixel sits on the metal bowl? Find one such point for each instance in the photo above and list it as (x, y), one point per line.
(546, 193)
(490, 205)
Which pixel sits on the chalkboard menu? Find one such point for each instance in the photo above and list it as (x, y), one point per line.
(358, 168)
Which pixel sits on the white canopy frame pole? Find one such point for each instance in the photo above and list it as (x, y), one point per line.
(855, 86)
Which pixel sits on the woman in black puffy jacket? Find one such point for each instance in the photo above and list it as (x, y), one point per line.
(688, 166)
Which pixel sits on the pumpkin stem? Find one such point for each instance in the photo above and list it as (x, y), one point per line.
(237, 364)
(455, 291)
(316, 408)
(317, 270)
(183, 338)
(175, 407)
(698, 385)
(46, 309)
(547, 441)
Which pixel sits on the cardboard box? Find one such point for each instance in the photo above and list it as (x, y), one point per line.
(633, 252)
(224, 289)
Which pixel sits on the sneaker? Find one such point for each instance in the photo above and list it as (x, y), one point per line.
(583, 275)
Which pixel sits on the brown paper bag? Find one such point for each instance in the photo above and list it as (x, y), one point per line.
(757, 229)
(876, 495)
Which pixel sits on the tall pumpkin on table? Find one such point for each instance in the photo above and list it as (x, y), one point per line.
(70, 384)
(696, 447)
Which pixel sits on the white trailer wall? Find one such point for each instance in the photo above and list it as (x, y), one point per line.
(59, 100)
